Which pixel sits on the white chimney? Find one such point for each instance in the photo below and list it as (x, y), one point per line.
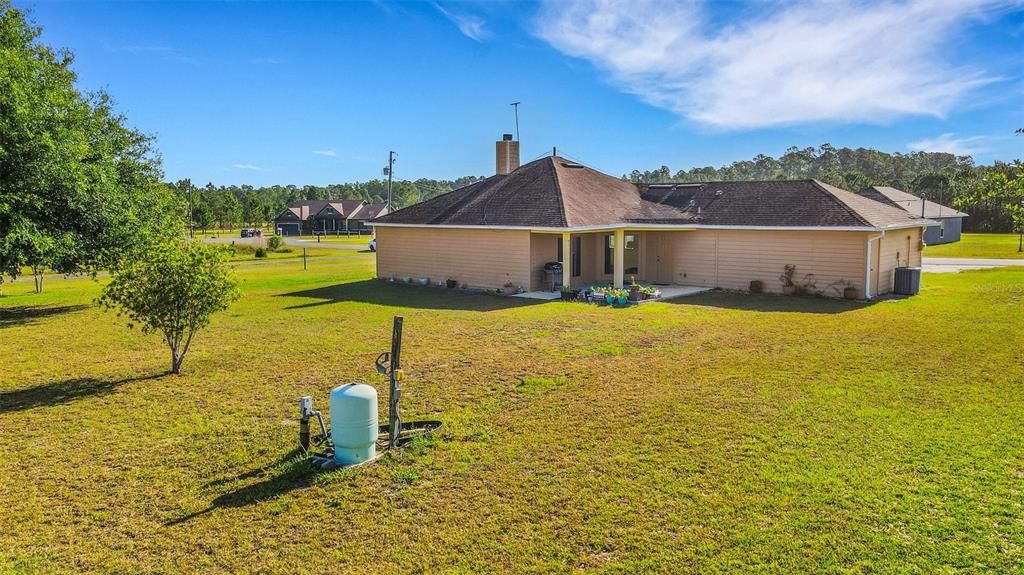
(506, 155)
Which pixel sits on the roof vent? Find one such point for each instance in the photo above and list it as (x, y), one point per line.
(719, 192)
(572, 165)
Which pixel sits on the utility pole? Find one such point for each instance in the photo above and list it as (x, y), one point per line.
(389, 170)
(515, 106)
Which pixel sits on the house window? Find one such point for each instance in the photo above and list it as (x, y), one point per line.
(577, 262)
(630, 256)
(609, 253)
(558, 239)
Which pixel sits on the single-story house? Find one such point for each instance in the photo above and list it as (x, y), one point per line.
(500, 232)
(296, 219)
(327, 216)
(947, 221)
(336, 216)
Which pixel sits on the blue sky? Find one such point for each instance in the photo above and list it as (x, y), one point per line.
(317, 93)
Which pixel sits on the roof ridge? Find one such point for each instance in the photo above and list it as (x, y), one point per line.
(558, 192)
(824, 188)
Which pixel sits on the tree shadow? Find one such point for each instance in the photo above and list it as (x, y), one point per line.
(14, 316)
(60, 392)
(401, 295)
(772, 303)
(292, 471)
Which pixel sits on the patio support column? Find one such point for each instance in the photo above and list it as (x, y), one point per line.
(620, 255)
(566, 259)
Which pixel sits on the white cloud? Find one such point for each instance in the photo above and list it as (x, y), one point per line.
(471, 26)
(248, 167)
(781, 64)
(950, 144)
(328, 153)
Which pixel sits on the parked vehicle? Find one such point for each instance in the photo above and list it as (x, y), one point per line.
(251, 233)
(373, 245)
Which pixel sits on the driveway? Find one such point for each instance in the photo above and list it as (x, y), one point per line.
(954, 265)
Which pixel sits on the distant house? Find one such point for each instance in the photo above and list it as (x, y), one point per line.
(503, 230)
(948, 221)
(327, 217)
(295, 219)
(335, 216)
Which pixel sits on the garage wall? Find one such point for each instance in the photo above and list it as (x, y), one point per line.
(478, 258)
(897, 248)
(731, 259)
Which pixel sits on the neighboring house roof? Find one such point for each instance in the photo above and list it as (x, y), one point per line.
(910, 202)
(304, 209)
(343, 208)
(370, 211)
(556, 192)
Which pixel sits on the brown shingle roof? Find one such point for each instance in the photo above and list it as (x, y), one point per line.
(910, 203)
(370, 211)
(555, 192)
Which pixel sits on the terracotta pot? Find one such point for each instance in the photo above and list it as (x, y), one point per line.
(788, 290)
(756, 286)
(850, 292)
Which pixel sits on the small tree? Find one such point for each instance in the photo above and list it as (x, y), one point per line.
(172, 289)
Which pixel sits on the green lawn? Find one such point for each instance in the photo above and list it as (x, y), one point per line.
(978, 246)
(722, 433)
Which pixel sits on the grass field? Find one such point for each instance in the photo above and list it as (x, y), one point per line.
(978, 246)
(720, 433)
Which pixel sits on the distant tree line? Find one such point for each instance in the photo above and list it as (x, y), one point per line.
(940, 177)
(227, 207)
(944, 178)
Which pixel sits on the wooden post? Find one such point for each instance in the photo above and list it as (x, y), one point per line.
(620, 257)
(303, 258)
(395, 395)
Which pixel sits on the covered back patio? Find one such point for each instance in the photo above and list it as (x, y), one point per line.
(609, 256)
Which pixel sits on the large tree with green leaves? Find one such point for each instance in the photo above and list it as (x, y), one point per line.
(78, 188)
(172, 289)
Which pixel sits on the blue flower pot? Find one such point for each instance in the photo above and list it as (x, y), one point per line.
(622, 300)
(609, 299)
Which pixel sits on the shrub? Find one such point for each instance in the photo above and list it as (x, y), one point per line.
(261, 253)
(275, 242)
(172, 289)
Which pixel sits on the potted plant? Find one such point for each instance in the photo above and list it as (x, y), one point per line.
(756, 286)
(847, 289)
(451, 284)
(509, 288)
(788, 285)
(622, 297)
(569, 293)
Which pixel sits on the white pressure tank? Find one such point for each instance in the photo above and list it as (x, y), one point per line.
(354, 423)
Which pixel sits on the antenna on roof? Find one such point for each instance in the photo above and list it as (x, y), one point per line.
(515, 106)
(554, 152)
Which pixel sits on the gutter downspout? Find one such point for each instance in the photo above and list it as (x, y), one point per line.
(867, 268)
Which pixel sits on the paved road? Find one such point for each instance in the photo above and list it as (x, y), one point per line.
(954, 265)
(295, 242)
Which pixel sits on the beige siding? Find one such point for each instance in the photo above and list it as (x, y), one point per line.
(478, 258)
(543, 249)
(898, 248)
(731, 259)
